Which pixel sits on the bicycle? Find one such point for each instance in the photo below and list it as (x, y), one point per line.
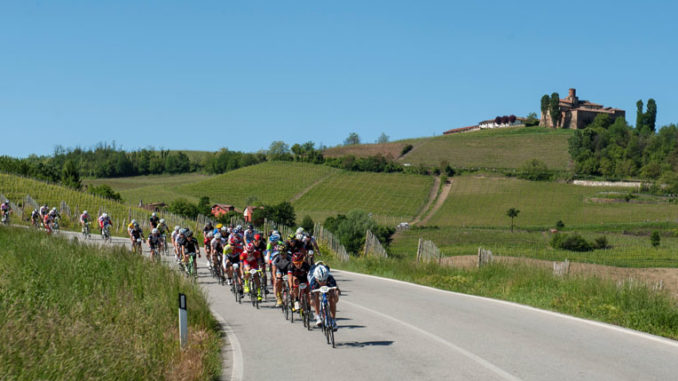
(305, 311)
(85, 231)
(5, 218)
(325, 316)
(55, 225)
(285, 298)
(189, 269)
(136, 246)
(106, 234)
(254, 289)
(217, 270)
(236, 285)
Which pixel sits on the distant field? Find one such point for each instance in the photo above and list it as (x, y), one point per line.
(626, 250)
(270, 182)
(152, 188)
(499, 148)
(483, 201)
(390, 197)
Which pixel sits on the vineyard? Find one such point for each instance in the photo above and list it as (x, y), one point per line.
(71, 203)
(269, 183)
(390, 197)
(153, 188)
(483, 201)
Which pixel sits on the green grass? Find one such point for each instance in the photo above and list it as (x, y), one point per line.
(16, 188)
(73, 312)
(630, 305)
(499, 148)
(626, 250)
(390, 197)
(270, 183)
(153, 188)
(483, 201)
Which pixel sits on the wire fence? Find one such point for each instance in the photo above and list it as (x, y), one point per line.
(427, 251)
(373, 247)
(327, 239)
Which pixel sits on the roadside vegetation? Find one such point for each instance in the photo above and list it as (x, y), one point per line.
(71, 311)
(628, 304)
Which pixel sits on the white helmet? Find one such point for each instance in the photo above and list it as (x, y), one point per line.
(299, 236)
(217, 236)
(85, 212)
(300, 230)
(104, 215)
(154, 214)
(320, 273)
(162, 220)
(134, 222)
(53, 209)
(176, 228)
(155, 231)
(224, 229)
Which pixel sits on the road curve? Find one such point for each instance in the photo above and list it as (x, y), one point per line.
(396, 330)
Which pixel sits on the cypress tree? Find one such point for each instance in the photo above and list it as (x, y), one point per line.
(554, 109)
(651, 114)
(639, 115)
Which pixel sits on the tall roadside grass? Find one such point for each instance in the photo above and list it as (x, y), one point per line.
(71, 311)
(629, 304)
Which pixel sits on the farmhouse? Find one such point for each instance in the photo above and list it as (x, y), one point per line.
(221, 209)
(577, 114)
(498, 122)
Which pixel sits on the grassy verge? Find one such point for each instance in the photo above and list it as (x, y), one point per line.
(630, 305)
(70, 311)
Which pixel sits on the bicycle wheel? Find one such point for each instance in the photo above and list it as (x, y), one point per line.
(332, 336)
(285, 306)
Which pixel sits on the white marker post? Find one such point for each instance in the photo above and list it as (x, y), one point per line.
(183, 321)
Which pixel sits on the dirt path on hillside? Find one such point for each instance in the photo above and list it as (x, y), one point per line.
(308, 188)
(439, 203)
(431, 197)
(660, 277)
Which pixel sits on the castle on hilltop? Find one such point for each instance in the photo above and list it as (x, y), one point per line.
(577, 114)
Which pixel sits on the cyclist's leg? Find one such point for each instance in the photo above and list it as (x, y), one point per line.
(333, 298)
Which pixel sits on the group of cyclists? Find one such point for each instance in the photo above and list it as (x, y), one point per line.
(234, 251)
(231, 250)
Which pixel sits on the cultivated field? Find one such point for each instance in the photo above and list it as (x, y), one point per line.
(390, 197)
(270, 183)
(153, 188)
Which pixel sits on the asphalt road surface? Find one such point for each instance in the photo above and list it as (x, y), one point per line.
(391, 330)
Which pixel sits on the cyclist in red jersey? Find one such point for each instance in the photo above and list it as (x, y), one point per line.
(297, 274)
(251, 259)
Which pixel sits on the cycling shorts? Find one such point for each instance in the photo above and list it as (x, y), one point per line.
(232, 259)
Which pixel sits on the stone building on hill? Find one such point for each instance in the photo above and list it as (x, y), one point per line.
(577, 114)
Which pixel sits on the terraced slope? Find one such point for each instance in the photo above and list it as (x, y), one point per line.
(500, 148)
(390, 197)
(270, 183)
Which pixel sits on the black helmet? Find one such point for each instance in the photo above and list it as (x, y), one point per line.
(189, 234)
(250, 227)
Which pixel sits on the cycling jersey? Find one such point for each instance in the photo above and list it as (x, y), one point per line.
(84, 218)
(283, 264)
(137, 233)
(5, 207)
(154, 221)
(251, 258)
(248, 236)
(154, 240)
(330, 282)
(217, 245)
(163, 228)
(190, 245)
(301, 273)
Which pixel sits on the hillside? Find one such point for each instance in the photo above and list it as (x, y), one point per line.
(499, 148)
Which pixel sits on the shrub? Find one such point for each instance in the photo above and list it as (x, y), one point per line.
(535, 170)
(406, 149)
(560, 224)
(655, 239)
(600, 243)
(573, 242)
(104, 191)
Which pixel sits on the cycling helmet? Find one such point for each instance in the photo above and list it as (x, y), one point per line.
(232, 241)
(320, 273)
(300, 230)
(250, 247)
(299, 236)
(189, 234)
(53, 209)
(274, 237)
(217, 236)
(134, 222)
(210, 235)
(155, 231)
(183, 231)
(136, 225)
(239, 227)
(219, 226)
(154, 214)
(298, 257)
(162, 220)
(257, 237)
(176, 228)
(250, 227)
(224, 229)
(85, 212)
(104, 215)
(208, 224)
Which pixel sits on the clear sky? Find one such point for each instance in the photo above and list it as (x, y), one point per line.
(202, 75)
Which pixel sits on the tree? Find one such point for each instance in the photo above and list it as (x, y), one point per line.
(104, 191)
(639, 115)
(352, 139)
(513, 213)
(278, 150)
(554, 109)
(651, 114)
(545, 103)
(531, 120)
(183, 207)
(204, 206)
(70, 176)
(655, 239)
(307, 224)
(383, 138)
(534, 170)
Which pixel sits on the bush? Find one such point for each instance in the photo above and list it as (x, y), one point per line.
(560, 224)
(600, 243)
(104, 191)
(535, 170)
(183, 207)
(655, 239)
(573, 242)
(307, 224)
(406, 149)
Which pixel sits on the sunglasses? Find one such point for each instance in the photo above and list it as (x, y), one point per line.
(298, 263)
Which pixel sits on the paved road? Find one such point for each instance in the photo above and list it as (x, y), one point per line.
(394, 330)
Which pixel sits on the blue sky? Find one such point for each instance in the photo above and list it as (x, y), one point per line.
(202, 75)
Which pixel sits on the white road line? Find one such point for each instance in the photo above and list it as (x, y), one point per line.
(481, 361)
(627, 331)
(237, 366)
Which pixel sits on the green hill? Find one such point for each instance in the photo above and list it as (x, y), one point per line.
(498, 148)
